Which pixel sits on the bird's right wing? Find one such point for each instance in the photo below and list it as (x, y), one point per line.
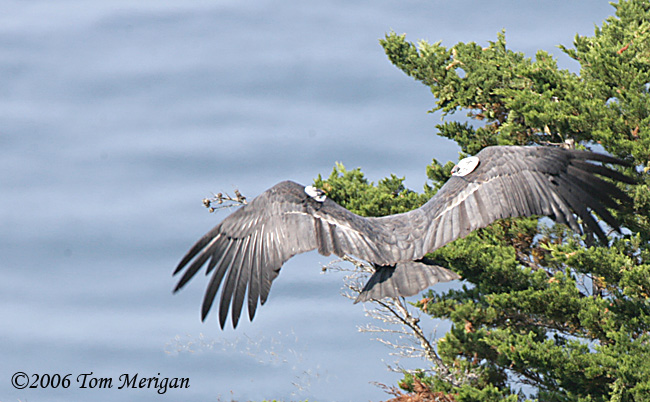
(513, 181)
(499, 182)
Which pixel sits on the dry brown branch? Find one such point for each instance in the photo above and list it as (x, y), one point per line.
(421, 393)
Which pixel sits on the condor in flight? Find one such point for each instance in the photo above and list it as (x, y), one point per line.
(246, 250)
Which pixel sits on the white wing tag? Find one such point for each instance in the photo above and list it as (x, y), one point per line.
(465, 166)
(316, 193)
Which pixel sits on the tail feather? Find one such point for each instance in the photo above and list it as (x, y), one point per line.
(403, 279)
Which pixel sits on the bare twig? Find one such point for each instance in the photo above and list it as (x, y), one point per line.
(568, 143)
(403, 323)
(224, 201)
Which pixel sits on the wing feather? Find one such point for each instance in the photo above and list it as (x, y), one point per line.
(213, 285)
(254, 280)
(242, 281)
(577, 205)
(323, 238)
(233, 267)
(465, 227)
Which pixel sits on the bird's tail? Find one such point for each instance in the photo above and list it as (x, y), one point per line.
(403, 279)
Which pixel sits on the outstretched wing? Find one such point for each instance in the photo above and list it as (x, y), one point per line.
(499, 182)
(512, 181)
(247, 249)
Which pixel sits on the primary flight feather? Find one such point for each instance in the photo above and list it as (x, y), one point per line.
(244, 253)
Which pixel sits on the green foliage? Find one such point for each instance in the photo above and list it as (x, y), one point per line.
(615, 67)
(516, 100)
(352, 190)
(540, 307)
(408, 382)
(534, 317)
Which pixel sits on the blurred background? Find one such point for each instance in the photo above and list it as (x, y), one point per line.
(117, 118)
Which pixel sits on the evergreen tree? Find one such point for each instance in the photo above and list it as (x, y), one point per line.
(562, 316)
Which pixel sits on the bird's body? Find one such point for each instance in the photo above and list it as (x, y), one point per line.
(247, 250)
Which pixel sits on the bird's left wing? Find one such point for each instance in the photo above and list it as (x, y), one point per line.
(247, 249)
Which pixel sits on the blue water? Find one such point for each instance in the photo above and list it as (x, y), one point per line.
(116, 119)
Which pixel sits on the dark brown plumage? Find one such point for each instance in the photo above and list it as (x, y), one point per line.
(245, 252)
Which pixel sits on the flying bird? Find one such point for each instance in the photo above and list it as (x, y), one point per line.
(246, 250)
